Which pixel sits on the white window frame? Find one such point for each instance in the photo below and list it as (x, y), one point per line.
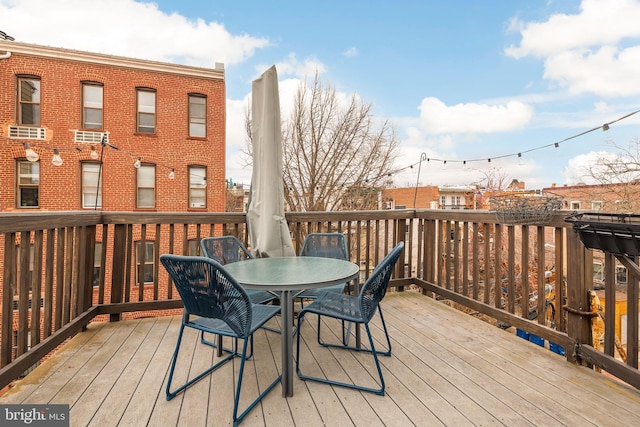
(197, 187)
(149, 261)
(144, 109)
(34, 175)
(89, 173)
(92, 105)
(146, 184)
(29, 84)
(197, 123)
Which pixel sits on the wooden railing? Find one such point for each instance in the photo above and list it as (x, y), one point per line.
(80, 267)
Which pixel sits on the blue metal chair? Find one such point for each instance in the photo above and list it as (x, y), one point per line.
(226, 249)
(214, 302)
(358, 309)
(327, 245)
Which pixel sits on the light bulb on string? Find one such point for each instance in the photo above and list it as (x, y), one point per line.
(30, 154)
(56, 160)
(93, 154)
(137, 163)
(203, 184)
(520, 160)
(172, 174)
(444, 164)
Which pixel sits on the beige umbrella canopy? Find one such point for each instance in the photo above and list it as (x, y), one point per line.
(268, 230)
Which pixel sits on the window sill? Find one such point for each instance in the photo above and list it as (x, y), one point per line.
(152, 135)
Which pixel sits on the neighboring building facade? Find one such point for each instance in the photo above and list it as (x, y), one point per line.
(609, 198)
(88, 131)
(432, 197)
(63, 111)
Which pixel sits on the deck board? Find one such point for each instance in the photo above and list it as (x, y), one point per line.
(447, 368)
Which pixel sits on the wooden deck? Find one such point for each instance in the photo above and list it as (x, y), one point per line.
(447, 368)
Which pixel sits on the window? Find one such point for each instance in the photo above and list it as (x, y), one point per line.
(147, 266)
(194, 248)
(456, 200)
(598, 272)
(146, 186)
(146, 111)
(91, 188)
(575, 205)
(29, 101)
(596, 205)
(96, 264)
(91, 106)
(197, 116)
(28, 184)
(443, 201)
(621, 275)
(197, 187)
(28, 272)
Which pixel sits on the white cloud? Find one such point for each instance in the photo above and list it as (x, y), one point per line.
(436, 117)
(607, 72)
(351, 52)
(599, 22)
(291, 66)
(115, 27)
(592, 52)
(576, 171)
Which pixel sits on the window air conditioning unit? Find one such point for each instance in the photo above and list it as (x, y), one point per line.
(83, 136)
(27, 132)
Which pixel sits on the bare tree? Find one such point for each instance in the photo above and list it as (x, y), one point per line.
(619, 175)
(494, 179)
(336, 156)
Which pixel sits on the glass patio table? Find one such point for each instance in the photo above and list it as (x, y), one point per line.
(286, 275)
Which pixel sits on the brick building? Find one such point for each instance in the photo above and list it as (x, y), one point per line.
(88, 131)
(167, 122)
(609, 198)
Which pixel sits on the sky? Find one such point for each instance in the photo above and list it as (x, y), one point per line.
(467, 84)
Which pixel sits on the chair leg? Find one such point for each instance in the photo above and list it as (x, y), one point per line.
(174, 359)
(237, 419)
(216, 345)
(221, 349)
(378, 391)
(345, 342)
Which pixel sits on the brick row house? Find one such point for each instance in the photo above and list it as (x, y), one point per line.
(88, 131)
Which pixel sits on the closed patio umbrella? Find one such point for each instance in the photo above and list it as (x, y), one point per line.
(268, 230)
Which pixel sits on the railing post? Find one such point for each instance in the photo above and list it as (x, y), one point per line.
(118, 266)
(579, 281)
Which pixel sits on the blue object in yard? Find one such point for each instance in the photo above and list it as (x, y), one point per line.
(556, 348)
(536, 340)
(522, 334)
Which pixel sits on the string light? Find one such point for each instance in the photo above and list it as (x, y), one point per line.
(56, 160)
(30, 154)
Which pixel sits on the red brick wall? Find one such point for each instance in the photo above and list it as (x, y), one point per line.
(406, 196)
(170, 147)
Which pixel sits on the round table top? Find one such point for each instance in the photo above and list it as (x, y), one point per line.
(289, 273)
